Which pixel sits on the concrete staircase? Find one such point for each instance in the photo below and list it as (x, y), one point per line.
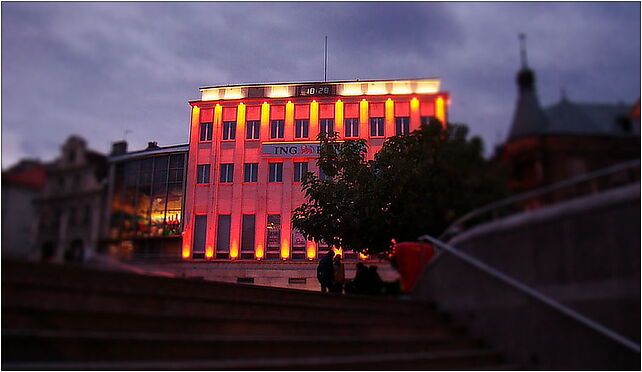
(75, 318)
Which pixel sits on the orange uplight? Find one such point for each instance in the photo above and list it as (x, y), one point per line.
(363, 256)
(440, 110)
(209, 252)
(310, 251)
(234, 250)
(337, 251)
(285, 249)
(186, 251)
(259, 252)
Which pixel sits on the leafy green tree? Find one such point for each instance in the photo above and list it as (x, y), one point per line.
(417, 184)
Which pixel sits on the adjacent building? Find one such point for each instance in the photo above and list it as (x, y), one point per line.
(144, 205)
(554, 143)
(250, 145)
(69, 207)
(21, 184)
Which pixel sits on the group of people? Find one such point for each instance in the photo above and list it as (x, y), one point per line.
(331, 276)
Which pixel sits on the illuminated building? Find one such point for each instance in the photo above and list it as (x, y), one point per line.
(144, 203)
(250, 144)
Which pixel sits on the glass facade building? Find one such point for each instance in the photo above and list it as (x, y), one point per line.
(145, 200)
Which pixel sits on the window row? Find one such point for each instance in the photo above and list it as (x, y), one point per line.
(251, 172)
(272, 244)
(302, 128)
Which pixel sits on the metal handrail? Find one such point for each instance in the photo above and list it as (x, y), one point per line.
(542, 190)
(538, 296)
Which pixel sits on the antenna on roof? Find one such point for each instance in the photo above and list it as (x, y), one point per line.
(325, 60)
(522, 49)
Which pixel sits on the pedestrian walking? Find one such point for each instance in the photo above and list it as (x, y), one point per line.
(339, 275)
(325, 272)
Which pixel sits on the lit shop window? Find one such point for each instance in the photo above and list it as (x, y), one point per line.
(376, 127)
(352, 128)
(326, 126)
(300, 168)
(202, 174)
(251, 172)
(229, 130)
(301, 128)
(273, 236)
(276, 128)
(227, 173)
(402, 126)
(206, 132)
(298, 245)
(276, 172)
(253, 129)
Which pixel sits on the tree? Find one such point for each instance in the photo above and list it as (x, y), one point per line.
(417, 184)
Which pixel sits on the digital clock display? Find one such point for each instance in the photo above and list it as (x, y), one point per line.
(316, 90)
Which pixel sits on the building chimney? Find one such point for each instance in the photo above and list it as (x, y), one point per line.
(119, 148)
(152, 145)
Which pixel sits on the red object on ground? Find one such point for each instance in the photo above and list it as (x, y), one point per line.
(411, 258)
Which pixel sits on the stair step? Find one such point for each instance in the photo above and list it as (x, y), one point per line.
(52, 318)
(88, 346)
(93, 279)
(176, 304)
(443, 360)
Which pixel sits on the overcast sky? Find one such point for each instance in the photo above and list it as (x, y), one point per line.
(98, 69)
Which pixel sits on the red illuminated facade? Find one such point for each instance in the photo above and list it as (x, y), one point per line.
(249, 146)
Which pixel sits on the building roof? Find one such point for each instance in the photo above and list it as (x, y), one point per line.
(529, 118)
(566, 117)
(184, 148)
(331, 88)
(28, 173)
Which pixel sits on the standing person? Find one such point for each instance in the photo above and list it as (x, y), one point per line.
(325, 271)
(339, 275)
(374, 281)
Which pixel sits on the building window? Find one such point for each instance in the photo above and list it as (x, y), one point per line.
(253, 129)
(273, 236)
(72, 216)
(276, 128)
(247, 236)
(300, 168)
(352, 127)
(200, 235)
(202, 174)
(223, 236)
(229, 130)
(206, 132)
(86, 217)
(376, 127)
(276, 172)
(251, 172)
(301, 128)
(402, 126)
(227, 173)
(326, 126)
(322, 175)
(425, 120)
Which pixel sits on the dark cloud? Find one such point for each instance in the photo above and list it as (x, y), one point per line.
(97, 69)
